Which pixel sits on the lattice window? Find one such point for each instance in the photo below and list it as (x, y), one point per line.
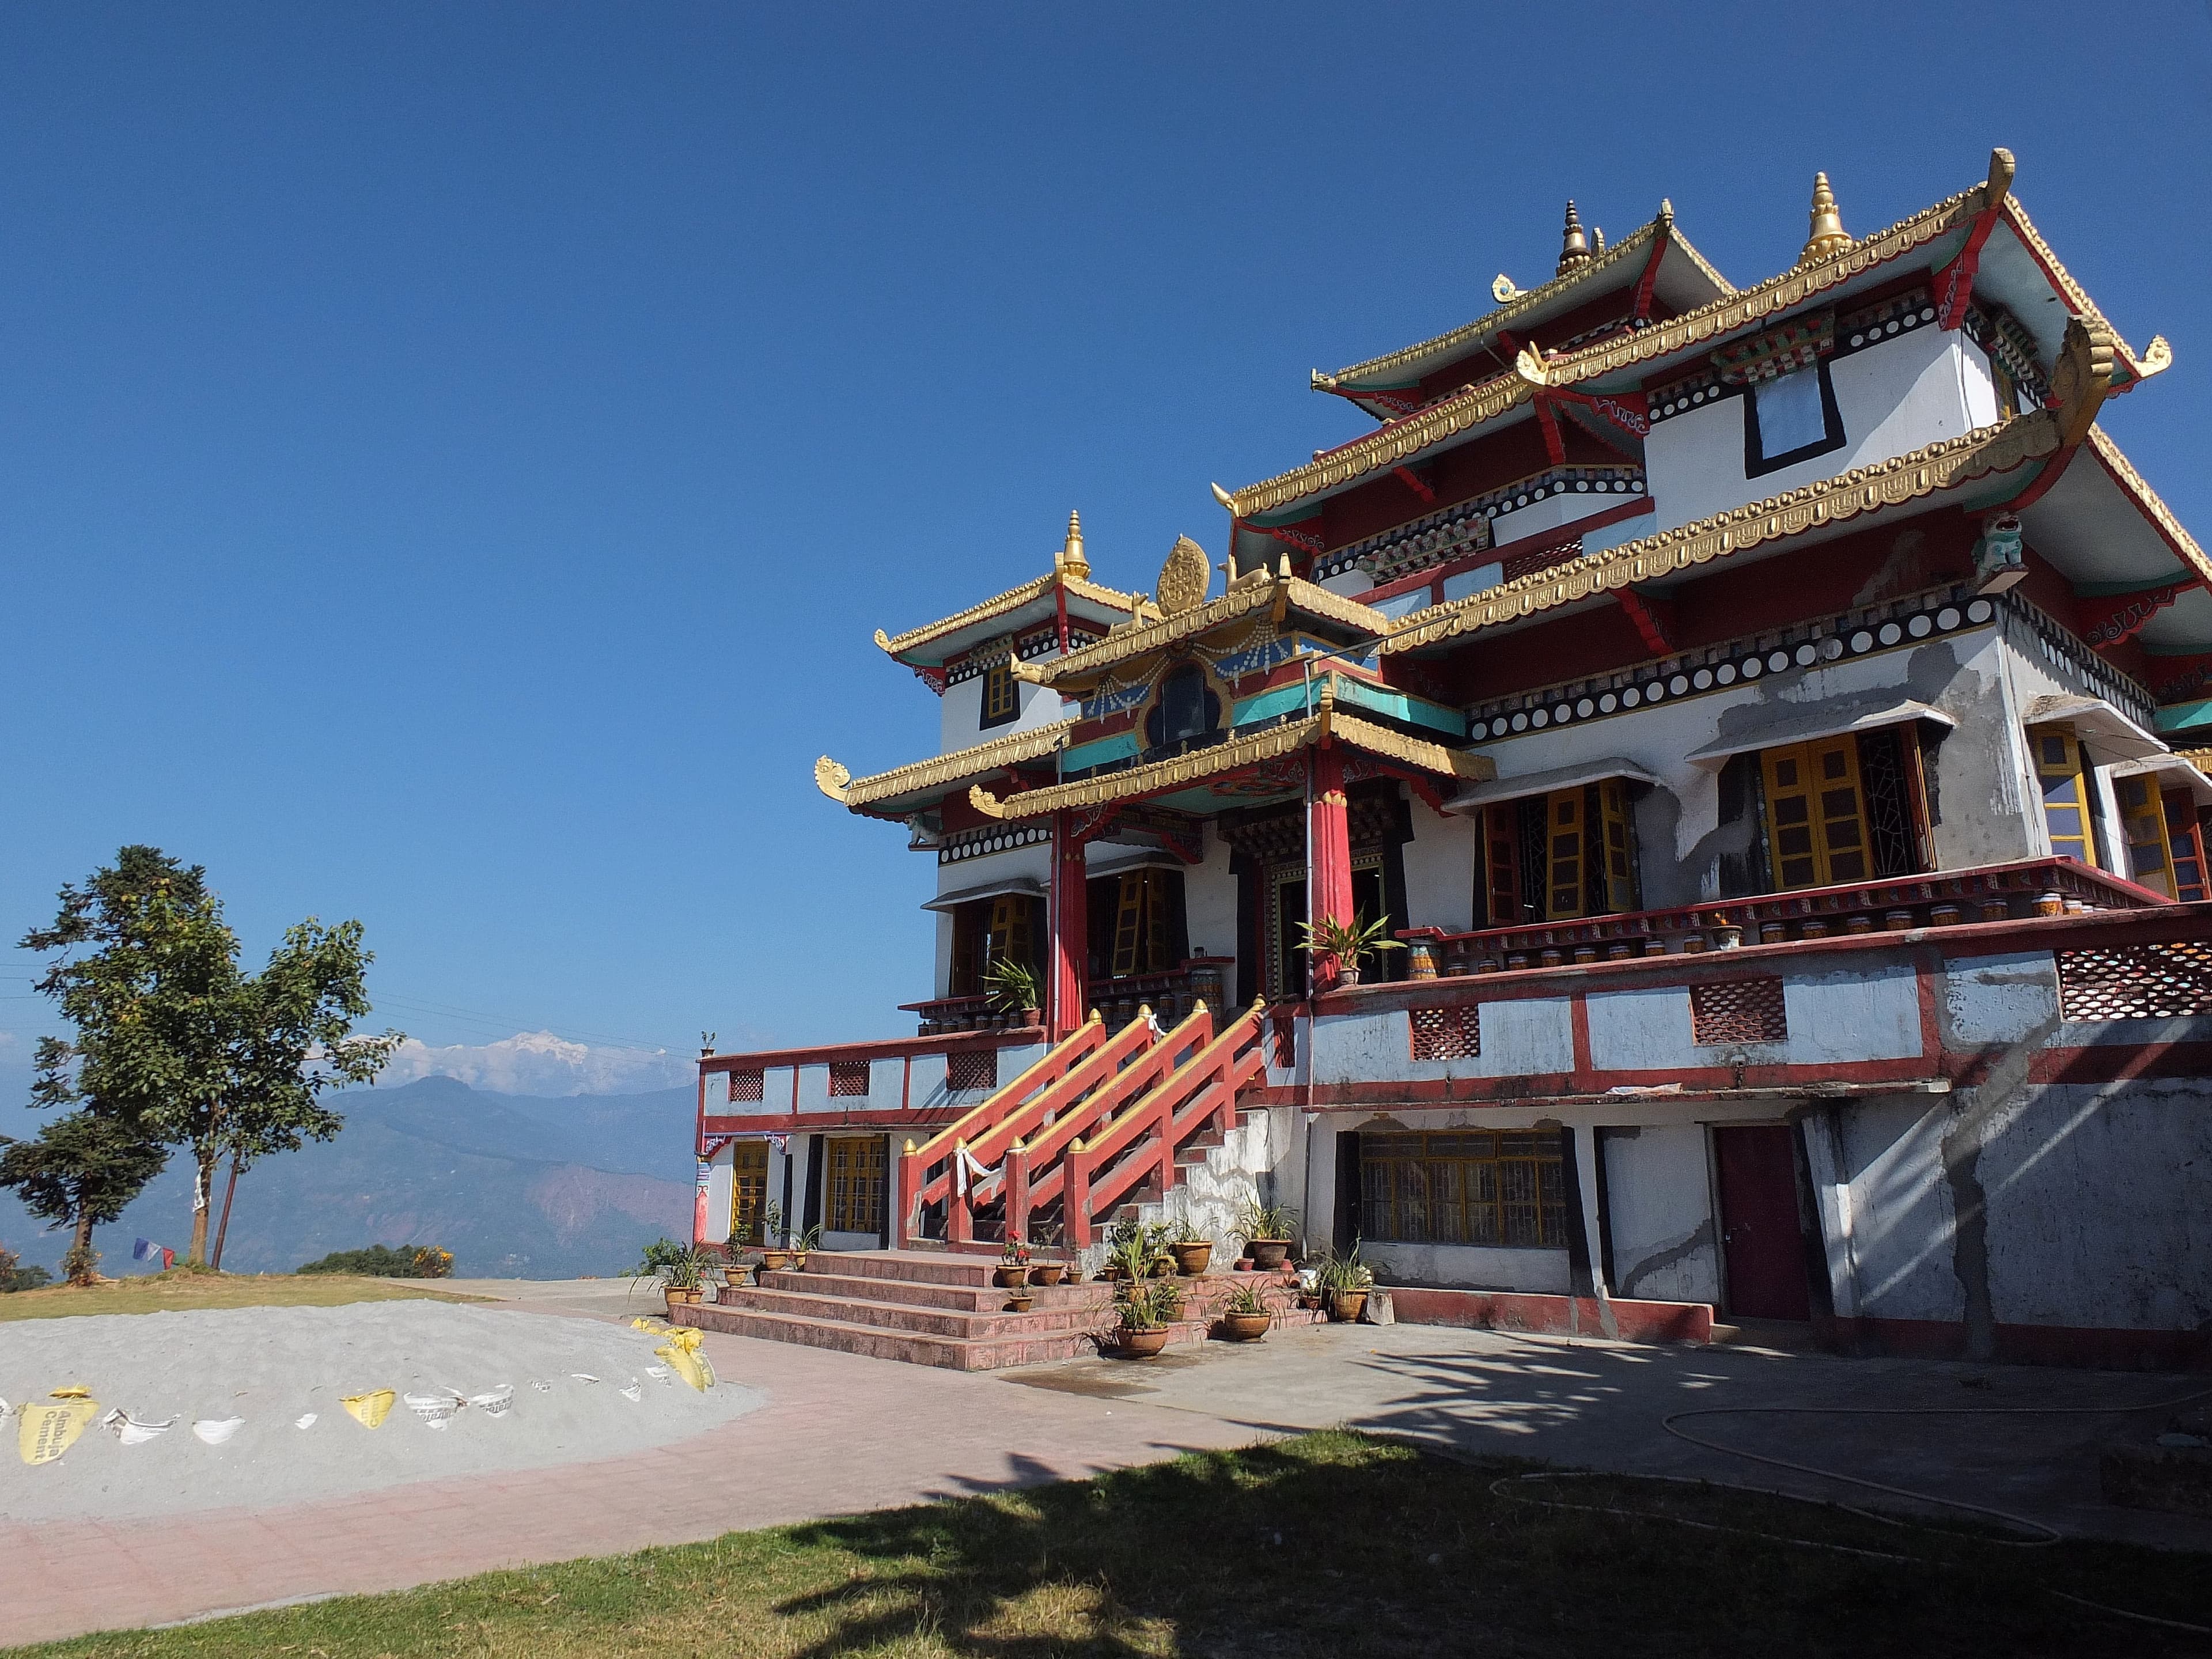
(1738, 1011)
(1447, 1033)
(972, 1068)
(1465, 1187)
(748, 1085)
(848, 1078)
(2170, 979)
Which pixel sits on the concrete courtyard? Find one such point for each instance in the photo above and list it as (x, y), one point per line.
(841, 1433)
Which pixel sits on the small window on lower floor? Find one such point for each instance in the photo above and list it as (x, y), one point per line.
(1464, 1186)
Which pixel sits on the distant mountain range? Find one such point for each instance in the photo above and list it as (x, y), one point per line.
(514, 1186)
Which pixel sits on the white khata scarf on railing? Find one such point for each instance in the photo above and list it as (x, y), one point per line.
(968, 1171)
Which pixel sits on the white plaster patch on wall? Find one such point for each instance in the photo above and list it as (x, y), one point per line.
(2096, 1206)
(1661, 1214)
(1519, 1038)
(1992, 1000)
(1901, 1206)
(1471, 1266)
(1838, 1017)
(1642, 1031)
(1440, 871)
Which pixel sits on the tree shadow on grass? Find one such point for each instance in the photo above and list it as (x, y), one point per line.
(1344, 1545)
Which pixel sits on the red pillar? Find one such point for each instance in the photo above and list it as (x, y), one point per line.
(1071, 916)
(1328, 852)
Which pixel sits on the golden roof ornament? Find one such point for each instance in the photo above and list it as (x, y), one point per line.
(1827, 235)
(1502, 288)
(1574, 245)
(1071, 561)
(1184, 577)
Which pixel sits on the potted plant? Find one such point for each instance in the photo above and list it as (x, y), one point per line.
(804, 1246)
(1311, 1296)
(1168, 1299)
(1013, 989)
(774, 1258)
(1266, 1231)
(1021, 1301)
(1347, 1279)
(1350, 944)
(1140, 1332)
(1014, 1263)
(1193, 1249)
(1045, 1236)
(1159, 1259)
(1246, 1318)
(678, 1267)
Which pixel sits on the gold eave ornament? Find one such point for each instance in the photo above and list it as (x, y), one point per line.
(984, 758)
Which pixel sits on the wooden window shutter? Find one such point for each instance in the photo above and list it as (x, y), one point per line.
(1816, 813)
(1140, 923)
(1564, 847)
(2143, 826)
(1501, 835)
(1617, 837)
(2185, 835)
(2065, 793)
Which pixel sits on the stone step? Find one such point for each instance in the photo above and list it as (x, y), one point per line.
(968, 1326)
(952, 1354)
(921, 1293)
(915, 1267)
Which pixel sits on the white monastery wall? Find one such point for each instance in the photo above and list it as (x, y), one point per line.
(1439, 871)
(1858, 1015)
(1893, 398)
(960, 713)
(1660, 1213)
(1986, 817)
(1520, 1038)
(1209, 905)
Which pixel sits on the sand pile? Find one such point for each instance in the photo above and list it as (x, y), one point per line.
(236, 1384)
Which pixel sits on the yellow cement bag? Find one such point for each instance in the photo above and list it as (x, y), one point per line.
(47, 1432)
(680, 1350)
(369, 1409)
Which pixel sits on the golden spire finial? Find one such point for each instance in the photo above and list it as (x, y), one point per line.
(1574, 246)
(1071, 561)
(1827, 235)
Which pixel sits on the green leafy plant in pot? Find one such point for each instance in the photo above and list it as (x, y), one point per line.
(1140, 1328)
(1192, 1248)
(1266, 1231)
(680, 1269)
(775, 1256)
(1351, 943)
(1345, 1279)
(1014, 1263)
(1247, 1317)
(1012, 987)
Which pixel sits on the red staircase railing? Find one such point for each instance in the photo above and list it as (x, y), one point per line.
(1198, 1093)
(1068, 1070)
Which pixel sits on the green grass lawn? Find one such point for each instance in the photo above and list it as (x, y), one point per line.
(1330, 1545)
(181, 1288)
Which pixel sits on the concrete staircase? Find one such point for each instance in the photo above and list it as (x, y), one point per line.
(936, 1308)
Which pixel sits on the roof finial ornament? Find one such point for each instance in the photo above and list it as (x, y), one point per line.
(1827, 234)
(1071, 561)
(1574, 246)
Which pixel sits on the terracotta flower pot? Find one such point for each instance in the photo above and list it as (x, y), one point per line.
(1045, 1272)
(676, 1298)
(776, 1261)
(1012, 1278)
(1020, 1302)
(1268, 1254)
(1245, 1326)
(1137, 1344)
(1344, 1307)
(1191, 1259)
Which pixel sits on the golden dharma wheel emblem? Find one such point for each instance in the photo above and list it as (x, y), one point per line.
(1184, 577)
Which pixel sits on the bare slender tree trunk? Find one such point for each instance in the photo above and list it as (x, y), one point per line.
(81, 1256)
(203, 1189)
(229, 1192)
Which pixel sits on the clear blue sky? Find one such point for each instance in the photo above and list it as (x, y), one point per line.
(452, 457)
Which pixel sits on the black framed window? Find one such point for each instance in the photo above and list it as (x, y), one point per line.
(1002, 695)
(1789, 418)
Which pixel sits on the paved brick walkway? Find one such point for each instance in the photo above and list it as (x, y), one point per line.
(841, 1433)
(899, 1434)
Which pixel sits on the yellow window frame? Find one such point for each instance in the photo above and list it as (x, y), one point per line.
(854, 1183)
(1816, 822)
(2064, 784)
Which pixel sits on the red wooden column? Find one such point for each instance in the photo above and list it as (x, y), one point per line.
(1071, 916)
(1328, 852)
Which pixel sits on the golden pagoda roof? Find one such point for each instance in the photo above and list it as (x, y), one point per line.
(1161, 776)
(960, 766)
(1005, 604)
(1280, 592)
(1629, 252)
(1398, 441)
(1942, 465)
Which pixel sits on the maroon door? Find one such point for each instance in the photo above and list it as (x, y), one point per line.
(1759, 1223)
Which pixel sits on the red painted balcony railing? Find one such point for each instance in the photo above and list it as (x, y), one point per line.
(1200, 1095)
(1986, 893)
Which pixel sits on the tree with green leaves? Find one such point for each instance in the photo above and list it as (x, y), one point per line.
(177, 1044)
(80, 1172)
